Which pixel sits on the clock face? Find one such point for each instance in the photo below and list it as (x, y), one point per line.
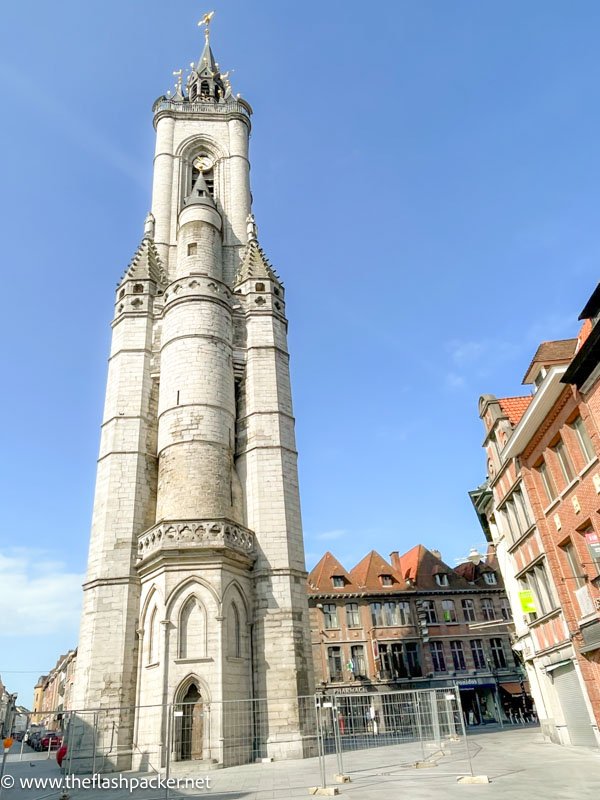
(203, 162)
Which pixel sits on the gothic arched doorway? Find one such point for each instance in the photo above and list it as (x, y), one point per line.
(189, 725)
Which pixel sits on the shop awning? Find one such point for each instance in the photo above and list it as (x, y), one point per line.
(512, 688)
(558, 664)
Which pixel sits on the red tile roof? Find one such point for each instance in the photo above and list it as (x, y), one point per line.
(420, 565)
(514, 407)
(320, 577)
(367, 573)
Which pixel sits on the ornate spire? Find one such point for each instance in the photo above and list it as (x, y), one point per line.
(146, 263)
(255, 264)
(178, 96)
(200, 194)
(204, 83)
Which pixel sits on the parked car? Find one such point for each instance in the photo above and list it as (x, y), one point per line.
(34, 740)
(51, 740)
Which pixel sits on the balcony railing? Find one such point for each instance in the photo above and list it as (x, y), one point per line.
(208, 107)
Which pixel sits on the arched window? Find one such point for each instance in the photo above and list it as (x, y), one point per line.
(204, 89)
(235, 632)
(192, 629)
(152, 634)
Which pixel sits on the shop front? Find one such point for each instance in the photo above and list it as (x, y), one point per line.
(517, 704)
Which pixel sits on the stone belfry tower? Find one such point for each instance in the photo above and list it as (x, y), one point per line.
(195, 587)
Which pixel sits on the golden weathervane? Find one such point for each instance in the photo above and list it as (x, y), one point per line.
(206, 22)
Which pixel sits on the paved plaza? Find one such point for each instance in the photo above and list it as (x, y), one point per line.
(519, 764)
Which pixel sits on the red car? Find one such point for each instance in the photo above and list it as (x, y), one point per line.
(51, 740)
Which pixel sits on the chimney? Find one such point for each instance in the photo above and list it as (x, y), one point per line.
(436, 553)
(395, 559)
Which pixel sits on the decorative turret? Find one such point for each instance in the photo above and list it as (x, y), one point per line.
(200, 194)
(256, 280)
(146, 263)
(255, 264)
(145, 277)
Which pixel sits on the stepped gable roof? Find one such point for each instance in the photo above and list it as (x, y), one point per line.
(550, 353)
(255, 264)
(146, 264)
(320, 577)
(367, 574)
(420, 565)
(514, 407)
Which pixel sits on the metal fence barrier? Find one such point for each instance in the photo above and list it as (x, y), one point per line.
(345, 734)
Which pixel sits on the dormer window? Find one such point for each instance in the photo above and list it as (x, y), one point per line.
(490, 578)
(386, 580)
(441, 579)
(338, 581)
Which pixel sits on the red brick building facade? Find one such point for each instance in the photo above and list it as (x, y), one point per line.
(544, 515)
(416, 623)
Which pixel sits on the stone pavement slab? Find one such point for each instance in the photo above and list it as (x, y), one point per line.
(520, 765)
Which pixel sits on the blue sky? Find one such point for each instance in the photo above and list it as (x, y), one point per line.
(426, 182)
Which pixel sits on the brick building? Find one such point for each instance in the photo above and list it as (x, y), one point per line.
(52, 693)
(541, 505)
(416, 623)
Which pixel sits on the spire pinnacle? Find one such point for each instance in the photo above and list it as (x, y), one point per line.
(200, 193)
(254, 263)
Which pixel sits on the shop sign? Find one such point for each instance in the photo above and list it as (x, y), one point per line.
(527, 602)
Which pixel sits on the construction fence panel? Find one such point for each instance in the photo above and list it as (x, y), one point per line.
(344, 733)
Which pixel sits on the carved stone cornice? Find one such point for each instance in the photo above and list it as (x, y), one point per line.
(197, 534)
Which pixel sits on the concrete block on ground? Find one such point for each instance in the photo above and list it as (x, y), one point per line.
(473, 779)
(342, 778)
